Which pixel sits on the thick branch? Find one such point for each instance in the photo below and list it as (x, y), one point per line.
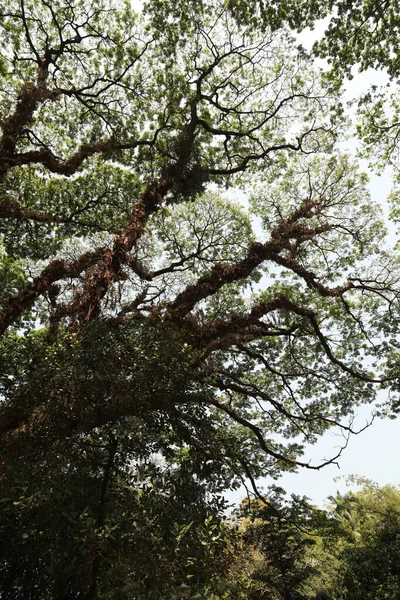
(55, 271)
(217, 334)
(10, 209)
(68, 167)
(221, 275)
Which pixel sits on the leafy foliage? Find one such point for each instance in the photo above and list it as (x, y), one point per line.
(153, 328)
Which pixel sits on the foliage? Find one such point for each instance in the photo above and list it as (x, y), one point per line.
(277, 533)
(367, 542)
(289, 549)
(363, 33)
(154, 329)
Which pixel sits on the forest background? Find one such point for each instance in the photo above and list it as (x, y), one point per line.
(161, 341)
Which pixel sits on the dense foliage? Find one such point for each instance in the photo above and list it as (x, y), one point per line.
(291, 550)
(194, 281)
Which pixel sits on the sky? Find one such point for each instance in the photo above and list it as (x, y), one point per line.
(374, 454)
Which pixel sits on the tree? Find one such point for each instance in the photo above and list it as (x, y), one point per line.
(290, 549)
(372, 569)
(364, 33)
(87, 523)
(276, 541)
(364, 542)
(284, 549)
(139, 304)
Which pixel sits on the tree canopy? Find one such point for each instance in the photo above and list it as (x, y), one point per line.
(289, 549)
(195, 282)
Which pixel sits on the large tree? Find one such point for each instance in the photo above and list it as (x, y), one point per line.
(360, 541)
(143, 309)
